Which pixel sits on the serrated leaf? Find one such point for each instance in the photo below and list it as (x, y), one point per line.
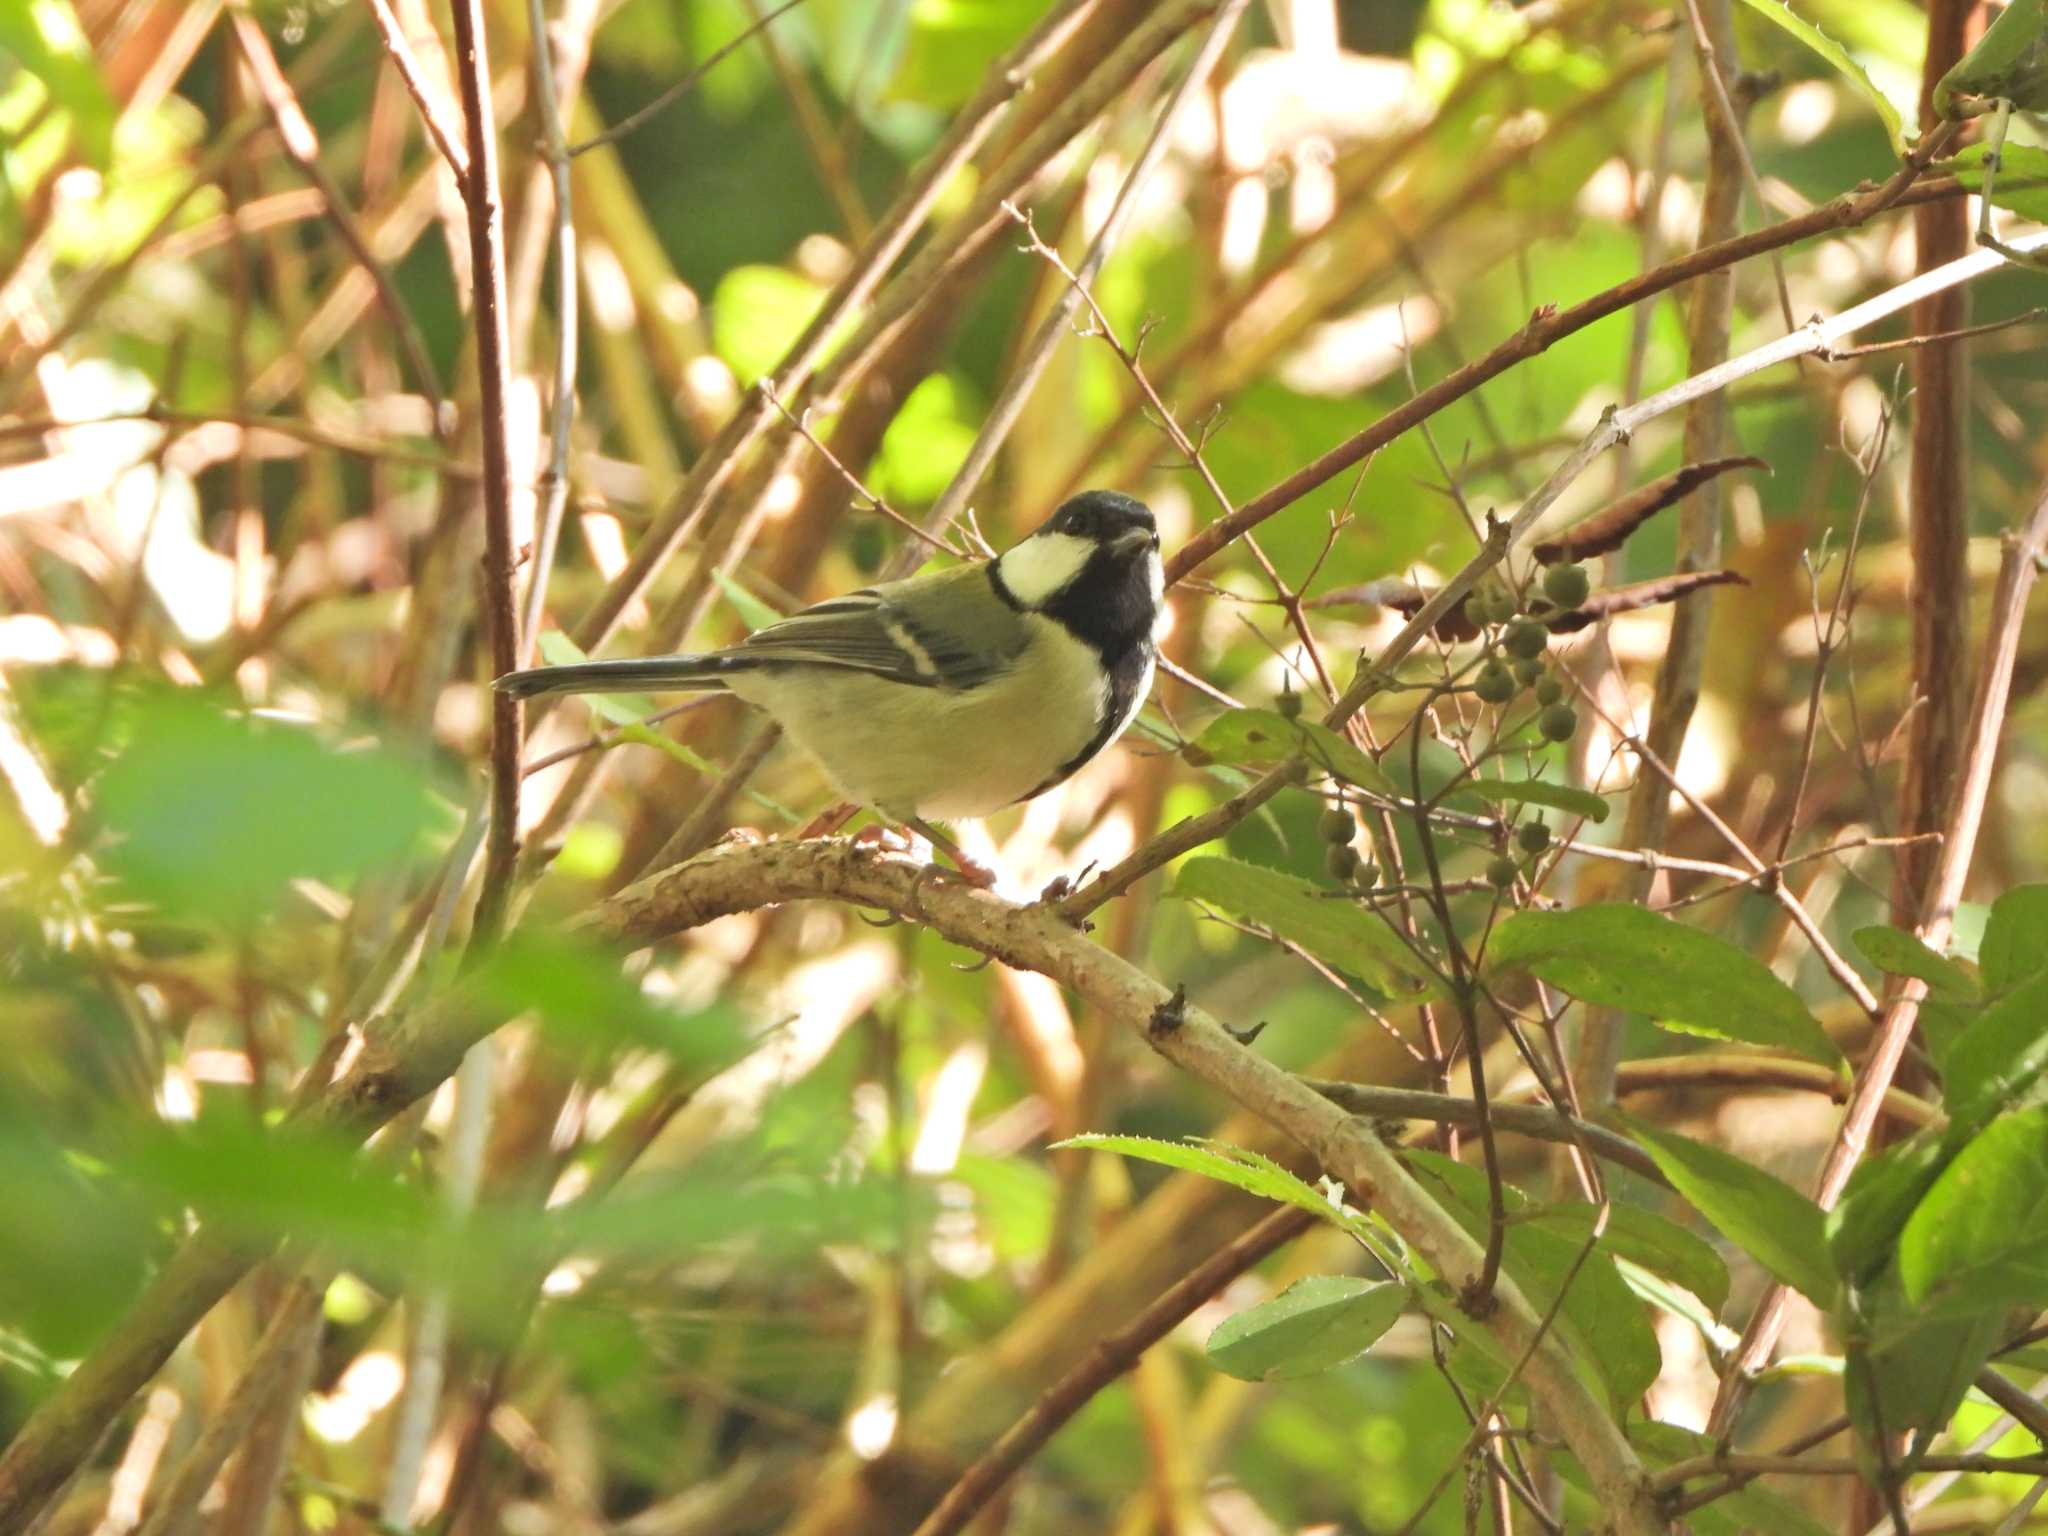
(2015, 942)
(1557, 797)
(1316, 1324)
(1252, 1172)
(2000, 1057)
(1762, 1215)
(1625, 957)
(1981, 1231)
(1321, 921)
(1837, 57)
(1902, 954)
(1265, 736)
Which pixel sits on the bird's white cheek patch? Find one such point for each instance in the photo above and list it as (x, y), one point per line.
(1042, 565)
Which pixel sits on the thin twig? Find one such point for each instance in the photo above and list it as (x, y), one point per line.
(2016, 576)
(554, 480)
(484, 214)
(433, 114)
(1030, 364)
(1110, 1358)
(682, 87)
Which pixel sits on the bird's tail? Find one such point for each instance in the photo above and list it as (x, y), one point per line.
(634, 674)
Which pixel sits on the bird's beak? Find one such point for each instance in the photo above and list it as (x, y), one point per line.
(1134, 539)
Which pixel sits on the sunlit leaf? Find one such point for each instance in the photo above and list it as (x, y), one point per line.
(756, 313)
(46, 40)
(1780, 14)
(2015, 943)
(1627, 957)
(1981, 1231)
(2000, 1057)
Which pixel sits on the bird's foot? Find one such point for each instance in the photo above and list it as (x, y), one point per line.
(964, 869)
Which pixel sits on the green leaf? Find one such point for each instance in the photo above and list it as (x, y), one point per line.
(1762, 1215)
(1916, 1374)
(1265, 736)
(2021, 183)
(1600, 1315)
(558, 650)
(1558, 797)
(1648, 1241)
(208, 813)
(1895, 950)
(2000, 1057)
(757, 313)
(2010, 62)
(951, 44)
(1881, 1194)
(1253, 1172)
(1743, 1510)
(1624, 957)
(584, 995)
(1317, 1323)
(46, 40)
(1782, 15)
(1981, 1232)
(1329, 927)
(926, 442)
(2015, 942)
(754, 613)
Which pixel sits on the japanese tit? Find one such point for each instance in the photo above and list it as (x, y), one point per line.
(950, 694)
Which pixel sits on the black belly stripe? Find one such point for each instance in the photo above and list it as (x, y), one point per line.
(1127, 674)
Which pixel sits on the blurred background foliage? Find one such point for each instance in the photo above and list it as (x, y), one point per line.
(771, 1213)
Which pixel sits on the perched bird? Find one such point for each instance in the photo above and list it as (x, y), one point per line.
(950, 694)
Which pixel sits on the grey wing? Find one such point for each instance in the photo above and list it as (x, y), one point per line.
(870, 631)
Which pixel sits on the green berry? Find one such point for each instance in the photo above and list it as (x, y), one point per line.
(1335, 826)
(1527, 669)
(1502, 871)
(1534, 836)
(1495, 683)
(1568, 586)
(1341, 859)
(1526, 638)
(1288, 705)
(1560, 722)
(1366, 876)
(1549, 689)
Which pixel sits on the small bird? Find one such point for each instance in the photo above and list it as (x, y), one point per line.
(950, 694)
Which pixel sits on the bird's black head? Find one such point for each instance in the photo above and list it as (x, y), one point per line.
(1094, 566)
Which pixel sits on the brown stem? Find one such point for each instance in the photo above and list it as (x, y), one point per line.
(1545, 328)
(1936, 916)
(485, 216)
(1676, 693)
(1110, 1358)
